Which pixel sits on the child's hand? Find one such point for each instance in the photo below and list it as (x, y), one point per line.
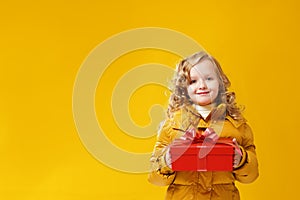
(237, 154)
(168, 159)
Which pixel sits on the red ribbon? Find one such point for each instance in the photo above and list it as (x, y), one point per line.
(194, 136)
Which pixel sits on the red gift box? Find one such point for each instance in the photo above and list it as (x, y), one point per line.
(203, 155)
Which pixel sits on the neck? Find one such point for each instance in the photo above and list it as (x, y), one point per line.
(206, 107)
(204, 110)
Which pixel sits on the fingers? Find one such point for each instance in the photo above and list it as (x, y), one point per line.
(236, 161)
(168, 158)
(237, 148)
(237, 154)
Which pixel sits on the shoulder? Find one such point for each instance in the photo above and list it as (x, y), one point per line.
(237, 123)
(242, 126)
(240, 130)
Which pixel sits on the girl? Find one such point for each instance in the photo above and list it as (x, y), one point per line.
(200, 99)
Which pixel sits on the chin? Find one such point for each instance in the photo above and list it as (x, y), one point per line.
(203, 102)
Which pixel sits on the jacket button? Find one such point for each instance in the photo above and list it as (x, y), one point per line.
(209, 189)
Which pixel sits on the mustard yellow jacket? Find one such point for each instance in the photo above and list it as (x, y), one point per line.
(195, 185)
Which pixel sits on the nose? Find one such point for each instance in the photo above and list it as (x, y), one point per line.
(202, 85)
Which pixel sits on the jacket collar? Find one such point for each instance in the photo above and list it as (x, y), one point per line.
(235, 122)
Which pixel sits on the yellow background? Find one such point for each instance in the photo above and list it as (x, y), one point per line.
(43, 44)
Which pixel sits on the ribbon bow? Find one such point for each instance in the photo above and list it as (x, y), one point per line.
(192, 135)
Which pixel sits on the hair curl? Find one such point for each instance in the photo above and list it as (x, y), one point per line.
(179, 96)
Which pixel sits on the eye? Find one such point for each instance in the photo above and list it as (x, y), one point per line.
(192, 81)
(209, 78)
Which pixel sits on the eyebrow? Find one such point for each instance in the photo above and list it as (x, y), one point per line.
(201, 74)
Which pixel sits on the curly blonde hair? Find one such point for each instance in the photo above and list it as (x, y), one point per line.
(179, 96)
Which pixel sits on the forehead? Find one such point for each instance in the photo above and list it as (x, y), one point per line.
(205, 67)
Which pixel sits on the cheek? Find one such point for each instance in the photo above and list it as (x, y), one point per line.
(214, 86)
(217, 88)
(190, 90)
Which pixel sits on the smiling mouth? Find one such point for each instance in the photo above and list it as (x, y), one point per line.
(203, 93)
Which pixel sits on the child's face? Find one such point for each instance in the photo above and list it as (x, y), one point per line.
(204, 86)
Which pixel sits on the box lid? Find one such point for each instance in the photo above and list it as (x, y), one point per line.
(223, 146)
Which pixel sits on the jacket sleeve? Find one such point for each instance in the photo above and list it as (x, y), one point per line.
(160, 173)
(247, 171)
